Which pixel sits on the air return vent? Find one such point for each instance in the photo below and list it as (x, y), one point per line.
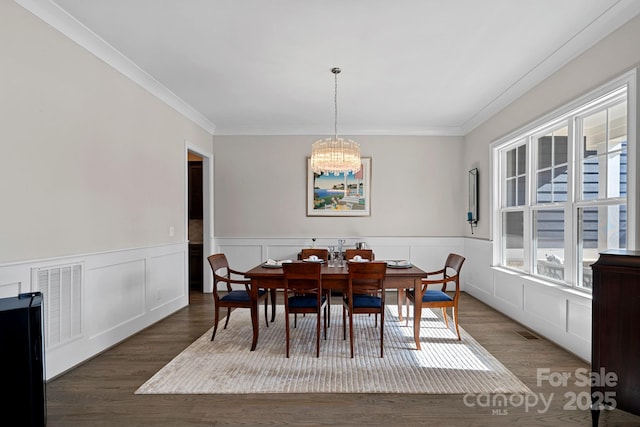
(527, 335)
(61, 287)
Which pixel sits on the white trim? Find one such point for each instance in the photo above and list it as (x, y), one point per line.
(59, 19)
(612, 19)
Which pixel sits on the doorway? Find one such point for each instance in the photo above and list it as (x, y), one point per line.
(195, 226)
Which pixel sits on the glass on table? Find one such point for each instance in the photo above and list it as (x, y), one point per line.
(332, 256)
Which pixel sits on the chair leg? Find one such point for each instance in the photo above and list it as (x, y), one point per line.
(328, 306)
(286, 322)
(455, 320)
(226, 322)
(382, 332)
(325, 322)
(215, 325)
(266, 318)
(318, 333)
(446, 318)
(351, 331)
(344, 324)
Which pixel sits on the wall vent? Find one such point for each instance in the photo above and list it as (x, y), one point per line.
(527, 335)
(61, 287)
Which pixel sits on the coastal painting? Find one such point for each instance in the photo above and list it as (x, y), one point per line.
(339, 195)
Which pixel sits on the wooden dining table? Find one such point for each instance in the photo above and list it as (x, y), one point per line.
(336, 279)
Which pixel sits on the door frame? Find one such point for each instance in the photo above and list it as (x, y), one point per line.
(207, 212)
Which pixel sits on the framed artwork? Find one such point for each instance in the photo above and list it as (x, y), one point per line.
(339, 195)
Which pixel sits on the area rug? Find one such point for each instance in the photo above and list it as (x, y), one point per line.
(226, 366)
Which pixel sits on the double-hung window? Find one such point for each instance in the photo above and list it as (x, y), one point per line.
(562, 188)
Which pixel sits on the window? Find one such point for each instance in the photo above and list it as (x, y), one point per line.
(562, 189)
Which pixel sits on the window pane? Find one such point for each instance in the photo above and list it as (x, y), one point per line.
(545, 149)
(513, 232)
(591, 177)
(549, 243)
(594, 131)
(522, 159)
(521, 193)
(604, 161)
(510, 192)
(617, 126)
(560, 184)
(599, 228)
(617, 174)
(511, 163)
(544, 187)
(560, 143)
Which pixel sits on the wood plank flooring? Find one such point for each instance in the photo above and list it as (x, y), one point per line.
(100, 391)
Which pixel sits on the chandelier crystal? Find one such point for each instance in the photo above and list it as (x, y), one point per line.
(335, 155)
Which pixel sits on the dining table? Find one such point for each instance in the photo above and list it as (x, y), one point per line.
(270, 277)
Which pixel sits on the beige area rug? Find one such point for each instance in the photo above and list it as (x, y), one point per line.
(226, 366)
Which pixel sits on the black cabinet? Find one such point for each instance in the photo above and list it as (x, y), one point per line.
(23, 387)
(615, 357)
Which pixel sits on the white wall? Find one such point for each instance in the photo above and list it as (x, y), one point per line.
(416, 188)
(93, 174)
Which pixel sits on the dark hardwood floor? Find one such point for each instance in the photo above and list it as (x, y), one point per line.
(100, 391)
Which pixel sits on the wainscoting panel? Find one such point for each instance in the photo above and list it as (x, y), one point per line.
(8, 290)
(427, 253)
(559, 313)
(543, 303)
(163, 272)
(100, 299)
(114, 296)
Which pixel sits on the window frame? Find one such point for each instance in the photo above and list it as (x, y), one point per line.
(569, 116)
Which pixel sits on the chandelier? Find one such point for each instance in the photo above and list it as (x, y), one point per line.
(335, 155)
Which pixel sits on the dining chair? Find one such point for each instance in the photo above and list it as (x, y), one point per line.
(303, 294)
(364, 294)
(322, 254)
(364, 254)
(231, 298)
(439, 298)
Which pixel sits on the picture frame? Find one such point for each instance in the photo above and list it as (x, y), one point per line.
(339, 195)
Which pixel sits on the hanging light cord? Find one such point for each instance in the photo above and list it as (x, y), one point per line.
(335, 72)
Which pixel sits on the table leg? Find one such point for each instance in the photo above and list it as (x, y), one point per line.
(273, 305)
(254, 316)
(417, 311)
(400, 295)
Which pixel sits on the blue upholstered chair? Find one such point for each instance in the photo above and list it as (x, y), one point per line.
(231, 298)
(364, 295)
(303, 294)
(439, 298)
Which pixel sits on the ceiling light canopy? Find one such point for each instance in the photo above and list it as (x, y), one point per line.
(335, 155)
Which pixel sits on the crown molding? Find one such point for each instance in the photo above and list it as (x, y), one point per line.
(59, 19)
(608, 22)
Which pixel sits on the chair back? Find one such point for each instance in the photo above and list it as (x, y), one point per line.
(366, 277)
(452, 268)
(454, 262)
(302, 277)
(320, 253)
(364, 253)
(221, 273)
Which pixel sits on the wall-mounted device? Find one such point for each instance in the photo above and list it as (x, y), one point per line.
(472, 213)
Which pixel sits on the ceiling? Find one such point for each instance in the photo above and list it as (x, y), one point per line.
(409, 67)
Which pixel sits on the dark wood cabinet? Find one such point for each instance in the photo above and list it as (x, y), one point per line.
(615, 359)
